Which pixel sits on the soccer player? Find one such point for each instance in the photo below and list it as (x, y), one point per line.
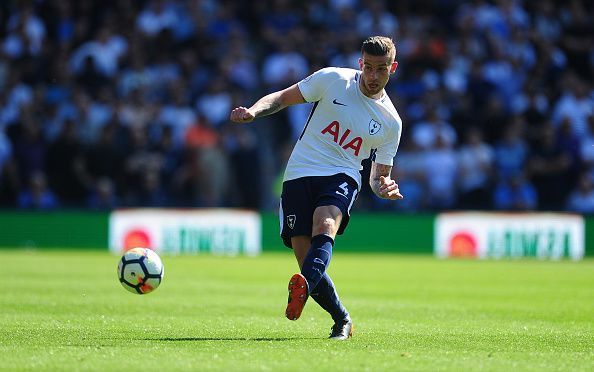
(352, 118)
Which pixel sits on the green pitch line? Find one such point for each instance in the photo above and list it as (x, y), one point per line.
(66, 311)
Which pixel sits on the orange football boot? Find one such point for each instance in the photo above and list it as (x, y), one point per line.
(297, 296)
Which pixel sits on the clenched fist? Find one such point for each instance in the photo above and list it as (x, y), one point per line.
(241, 115)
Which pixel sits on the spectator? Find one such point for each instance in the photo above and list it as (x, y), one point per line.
(409, 171)
(9, 184)
(531, 104)
(151, 192)
(159, 15)
(105, 158)
(111, 69)
(194, 181)
(65, 24)
(577, 37)
(5, 150)
(171, 157)
(503, 73)
(104, 53)
(136, 112)
(511, 152)
(241, 143)
(178, 114)
(569, 144)
(440, 173)
(279, 20)
(29, 150)
(515, 193)
(575, 104)
(376, 20)
(37, 195)
(18, 95)
(66, 167)
(94, 114)
(546, 20)
(103, 195)
(215, 104)
(426, 133)
(26, 34)
(549, 167)
(586, 147)
(475, 159)
(140, 160)
(224, 24)
(581, 199)
(284, 66)
(240, 66)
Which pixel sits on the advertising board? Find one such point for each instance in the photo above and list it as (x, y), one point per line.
(509, 235)
(216, 231)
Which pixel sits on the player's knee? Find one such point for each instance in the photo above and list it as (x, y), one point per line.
(326, 225)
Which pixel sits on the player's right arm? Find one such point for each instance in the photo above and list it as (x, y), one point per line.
(268, 104)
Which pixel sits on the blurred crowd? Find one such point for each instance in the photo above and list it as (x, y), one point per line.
(121, 103)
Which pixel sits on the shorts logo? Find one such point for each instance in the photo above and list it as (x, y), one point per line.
(291, 221)
(374, 127)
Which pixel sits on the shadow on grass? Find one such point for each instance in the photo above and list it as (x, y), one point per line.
(175, 339)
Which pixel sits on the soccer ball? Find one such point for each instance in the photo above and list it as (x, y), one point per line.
(140, 270)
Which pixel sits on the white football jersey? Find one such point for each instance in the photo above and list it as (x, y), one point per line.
(343, 128)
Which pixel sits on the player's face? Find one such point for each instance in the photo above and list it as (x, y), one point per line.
(376, 71)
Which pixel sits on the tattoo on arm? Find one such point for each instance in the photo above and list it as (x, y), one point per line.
(378, 170)
(277, 101)
(267, 105)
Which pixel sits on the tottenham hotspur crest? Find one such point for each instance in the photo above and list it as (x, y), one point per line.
(291, 221)
(374, 127)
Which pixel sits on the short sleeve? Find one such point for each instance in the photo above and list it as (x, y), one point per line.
(313, 87)
(387, 151)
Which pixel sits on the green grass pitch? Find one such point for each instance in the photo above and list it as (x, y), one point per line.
(67, 311)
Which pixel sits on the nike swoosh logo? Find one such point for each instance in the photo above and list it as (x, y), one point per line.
(338, 103)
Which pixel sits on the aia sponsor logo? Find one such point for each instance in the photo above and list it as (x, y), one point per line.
(344, 139)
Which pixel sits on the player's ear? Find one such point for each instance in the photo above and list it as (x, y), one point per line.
(361, 64)
(393, 67)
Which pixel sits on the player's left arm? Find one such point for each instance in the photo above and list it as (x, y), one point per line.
(381, 183)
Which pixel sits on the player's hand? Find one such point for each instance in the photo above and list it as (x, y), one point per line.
(241, 115)
(389, 189)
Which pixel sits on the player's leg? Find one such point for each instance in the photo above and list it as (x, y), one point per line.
(324, 293)
(313, 258)
(326, 296)
(334, 197)
(295, 214)
(340, 192)
(298, 287)
(326, 220)
(300, 245)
